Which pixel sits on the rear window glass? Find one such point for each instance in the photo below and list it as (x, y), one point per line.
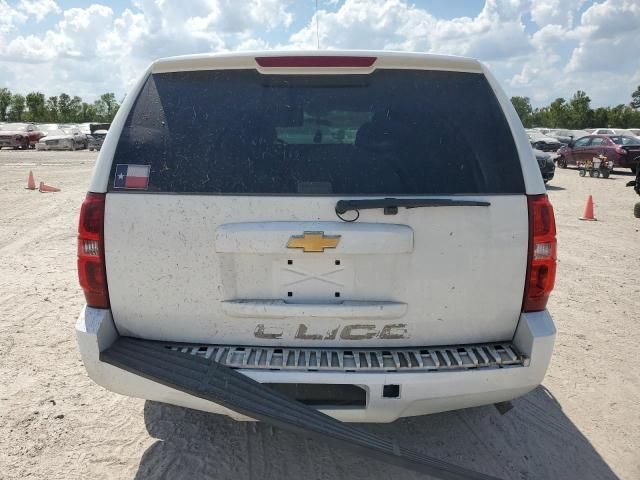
(391, 132)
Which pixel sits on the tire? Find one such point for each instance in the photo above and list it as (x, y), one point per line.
(606, 173)
(596, 173)
(562, 162)
(73, 147)
(582, 172)
(636, 210)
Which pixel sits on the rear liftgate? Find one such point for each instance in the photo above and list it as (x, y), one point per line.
(208, 379)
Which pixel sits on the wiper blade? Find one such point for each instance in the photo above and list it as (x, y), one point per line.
(390, 205)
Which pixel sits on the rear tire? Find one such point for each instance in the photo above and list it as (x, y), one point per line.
(606, 173)
(582, 172)
(636, 210)
(562, 162)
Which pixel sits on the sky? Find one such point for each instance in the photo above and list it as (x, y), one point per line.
(542, 49)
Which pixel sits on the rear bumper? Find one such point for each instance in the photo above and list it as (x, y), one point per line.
(420, 392)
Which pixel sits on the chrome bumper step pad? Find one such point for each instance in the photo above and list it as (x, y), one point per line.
(359, 360)
(207, 379)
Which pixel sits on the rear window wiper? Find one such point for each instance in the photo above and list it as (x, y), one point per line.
(391, 205)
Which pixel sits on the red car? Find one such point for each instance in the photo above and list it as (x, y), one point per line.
(19, 135)
(623, 150)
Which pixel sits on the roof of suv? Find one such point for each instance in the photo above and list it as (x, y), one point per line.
(379, 59)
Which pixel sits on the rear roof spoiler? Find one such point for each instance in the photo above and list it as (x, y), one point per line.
(325, 61)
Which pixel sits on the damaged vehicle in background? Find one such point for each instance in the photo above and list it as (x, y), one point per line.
(566, 136)
(546, 164)
(96, 139)
(540, 141)
(63, 139)
(19, 135)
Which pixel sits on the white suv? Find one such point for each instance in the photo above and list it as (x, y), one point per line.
(367, 232)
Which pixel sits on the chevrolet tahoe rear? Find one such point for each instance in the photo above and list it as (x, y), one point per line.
(367, 232)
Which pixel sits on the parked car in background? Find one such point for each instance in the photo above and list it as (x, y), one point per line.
(623, 151)
(63, 139)
(48, 127)
(566, 136)
(612, 131)
(96, 139)
(540, 141)
(19, 135)
(546, 165)
(85, 128)
(635, 131)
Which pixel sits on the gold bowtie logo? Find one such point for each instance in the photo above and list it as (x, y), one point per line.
(313, 241)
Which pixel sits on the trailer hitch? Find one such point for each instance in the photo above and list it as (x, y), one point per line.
(209, 380)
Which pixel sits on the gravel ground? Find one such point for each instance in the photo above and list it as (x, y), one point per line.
(55, 423)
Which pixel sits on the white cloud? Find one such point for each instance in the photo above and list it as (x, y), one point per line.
(607, 35)
(9, 17)
(555, 12)
(38, 8)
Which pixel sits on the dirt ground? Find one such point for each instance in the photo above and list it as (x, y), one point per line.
(583, 423)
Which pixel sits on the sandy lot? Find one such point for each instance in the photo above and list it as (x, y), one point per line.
(583, 423)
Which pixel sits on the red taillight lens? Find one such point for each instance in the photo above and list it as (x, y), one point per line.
(315, 61)
(541, 266)
(91, 267)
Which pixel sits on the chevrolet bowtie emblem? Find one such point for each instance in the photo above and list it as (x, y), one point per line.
(313, 241)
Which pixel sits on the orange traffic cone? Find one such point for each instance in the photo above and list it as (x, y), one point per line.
(588, 210)
(31, 183)
(46, 188)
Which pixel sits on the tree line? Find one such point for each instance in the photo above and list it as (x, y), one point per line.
(63, 108)
(578, 114)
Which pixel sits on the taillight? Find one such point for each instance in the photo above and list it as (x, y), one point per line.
(621, 150)
(541, 265)
(91, 266)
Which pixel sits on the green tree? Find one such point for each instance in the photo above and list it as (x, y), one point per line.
(558, 113)
(523, 109)
(36, 106)
(5, 101)
(52, 109)
(64, 109)
(621, 116)
(635, 99)
(87, 112)
(601, 117)
(580, 113)
(109, 100)
(17, 107)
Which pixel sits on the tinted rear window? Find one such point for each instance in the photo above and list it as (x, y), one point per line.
(391, 132)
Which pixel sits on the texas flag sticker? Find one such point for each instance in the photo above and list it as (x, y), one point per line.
(135, 177)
